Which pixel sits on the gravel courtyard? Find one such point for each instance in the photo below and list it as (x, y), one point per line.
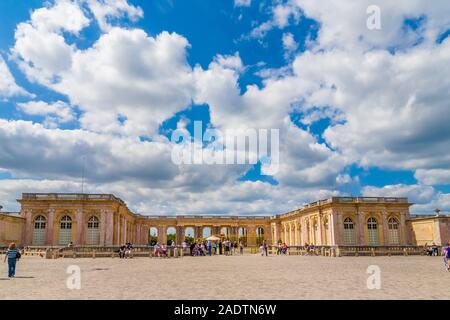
(236, 277)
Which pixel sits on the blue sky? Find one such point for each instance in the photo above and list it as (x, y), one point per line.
(115, 79)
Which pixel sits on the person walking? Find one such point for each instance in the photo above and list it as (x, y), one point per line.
(241, 248)
(13, 255)
(446, 254)
(265, 249)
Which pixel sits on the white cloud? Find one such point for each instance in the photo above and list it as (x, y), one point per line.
(105, 10)
(55, 113)
(126, 73)
(8, 86)
(242, 3)
(433, 176)
(289, 44)
(64, 15)
(425, 198)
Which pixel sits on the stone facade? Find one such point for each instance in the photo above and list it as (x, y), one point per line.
(429, 229)
(105, 220)
(11, 228)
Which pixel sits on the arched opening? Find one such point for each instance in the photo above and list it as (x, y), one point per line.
(349, 232)
(394, 235)
(153, 236)
(242, 234)
(372, 231)
(171, 235)
(39, 231)
(225, 232)
(206, 232)
(65, 231)
(259, 236)
(93, 231)
(189, 233)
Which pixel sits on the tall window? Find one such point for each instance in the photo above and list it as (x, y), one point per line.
(394, 236)
(259, 236)
(372, 228)
(93, 231)
(65, 231)
(39, 231)
(349, 232)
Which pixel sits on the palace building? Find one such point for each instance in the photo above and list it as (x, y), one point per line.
(56, 219)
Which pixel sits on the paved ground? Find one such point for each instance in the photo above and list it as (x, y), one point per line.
(220, 277)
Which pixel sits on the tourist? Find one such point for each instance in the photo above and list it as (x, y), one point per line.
(192, 247)
(265, 248)
(279, 251)
(13, 255)
(122, 250)
(241, 248)
(446, 254)
(209, 246)
(183, 248)
(434, 249)
(128, 250)
(227, 247)
(220, 247)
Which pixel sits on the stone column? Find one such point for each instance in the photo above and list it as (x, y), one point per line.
(109, 228)
(319, 241)
(124, 226)
(296, 233)
(361, 229)
(403, 238)
(197, 232)
(29, 227)
(162, 235)
(180, 235)
(118, 224)
(80, 227)
(385, 229)
(332, 226)
(50, 222)
(251, 236)
(102, 228)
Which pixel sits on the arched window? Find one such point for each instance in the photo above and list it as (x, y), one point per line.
(39, 231)
(372, 229)
(349, 232)
(259, 236)
(394, 236)
(93, 231)
(65, 230)
(242, 234)
(153, 236)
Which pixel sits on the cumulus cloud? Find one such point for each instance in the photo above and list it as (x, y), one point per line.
(125, 74)
(54, 113)
(8, 86)
(289, 44)
(106, 10)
